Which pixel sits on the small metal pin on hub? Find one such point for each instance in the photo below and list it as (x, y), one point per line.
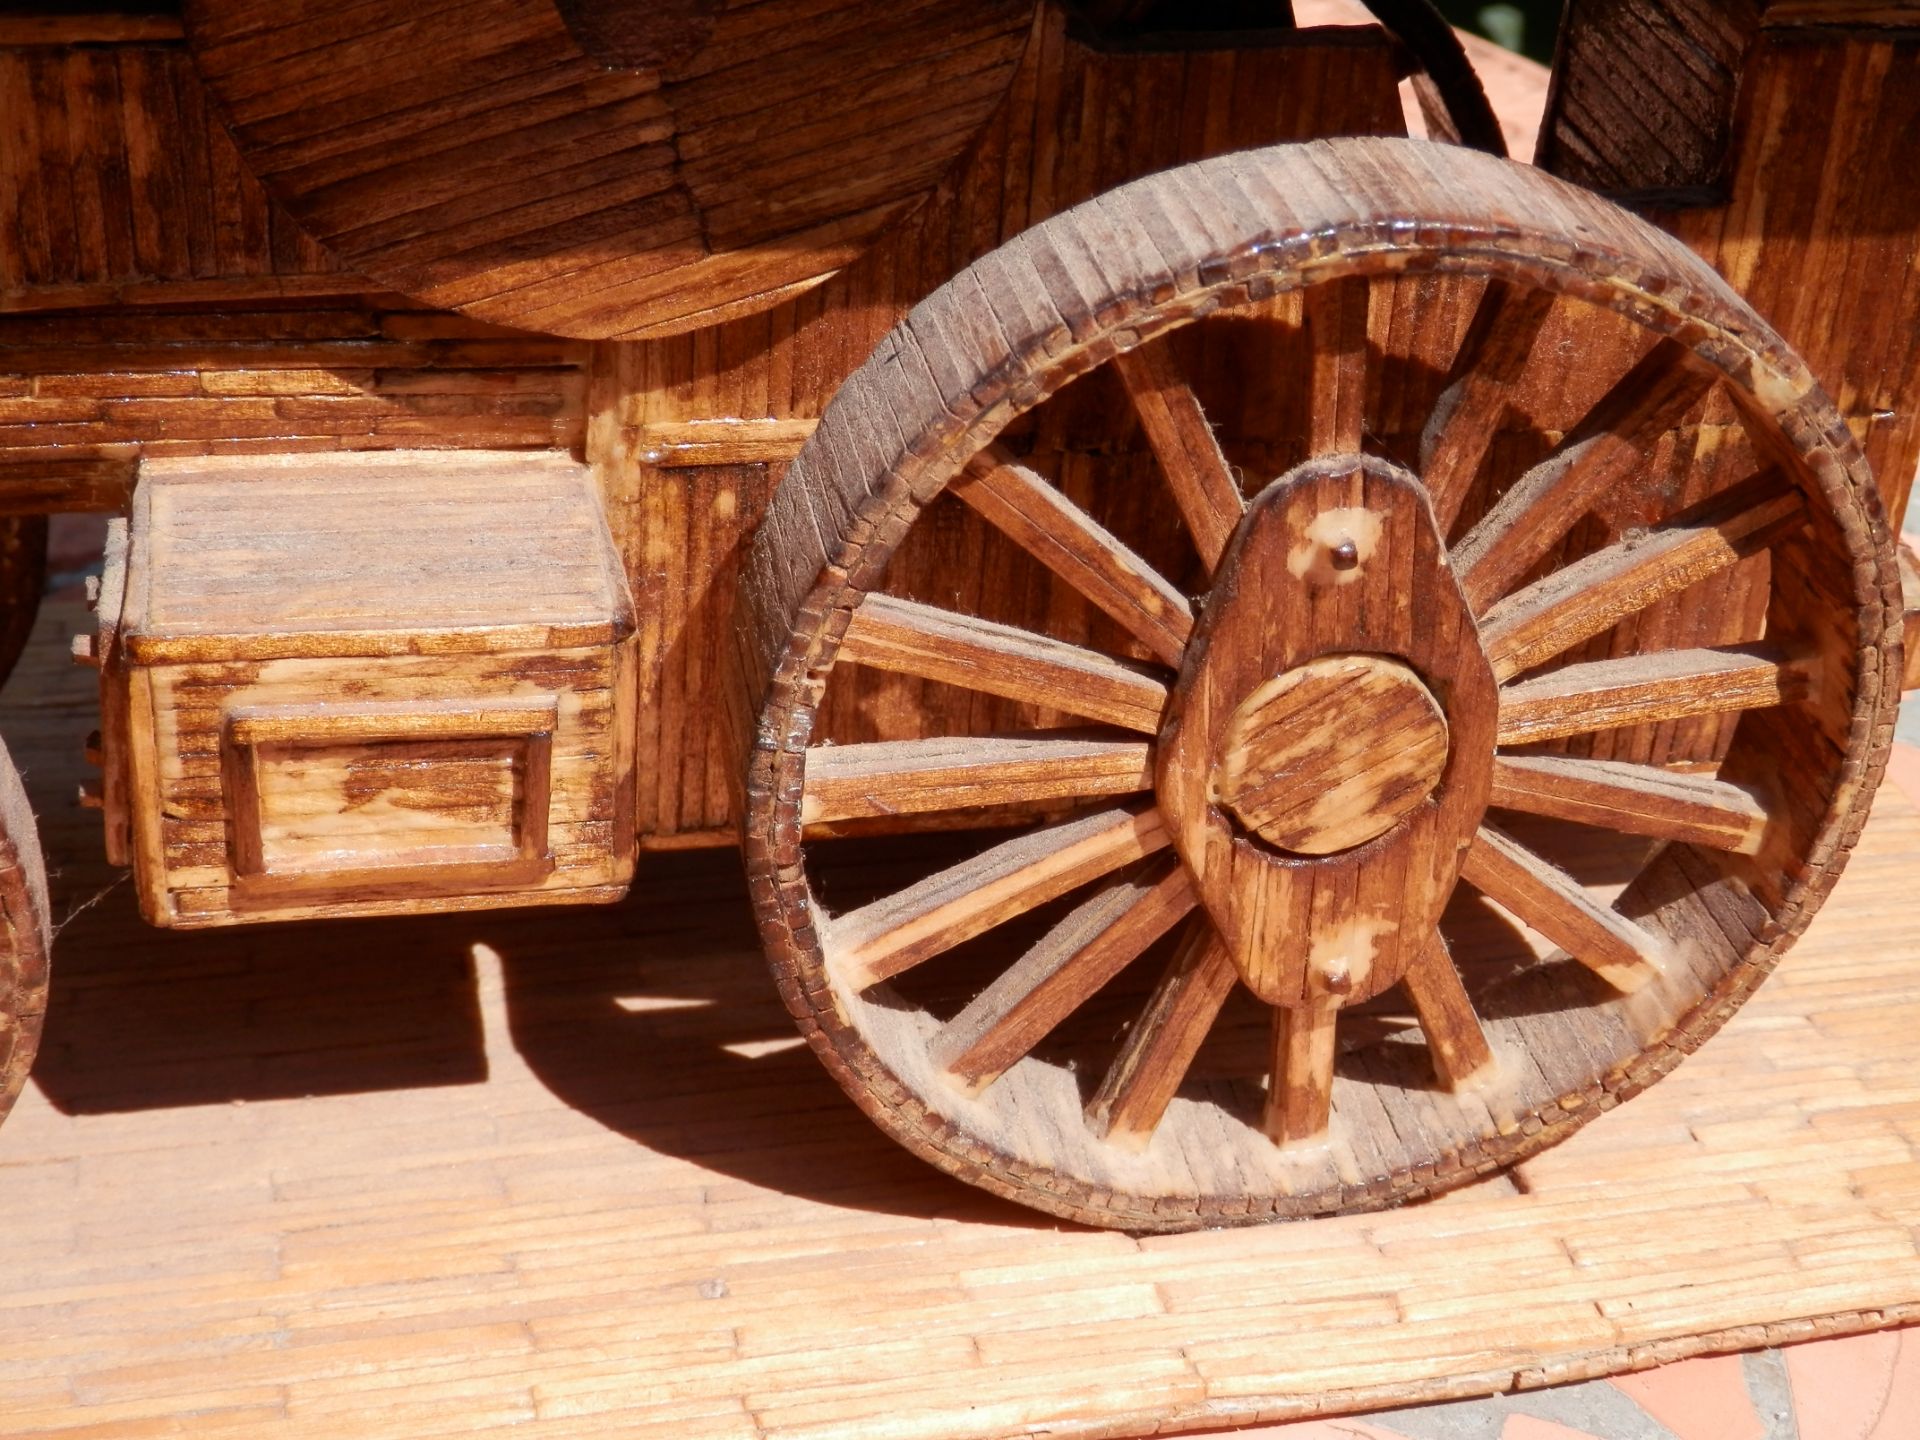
(1345, 555)
(1335, 975)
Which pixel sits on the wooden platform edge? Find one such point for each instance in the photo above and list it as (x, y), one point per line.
(1568, 1369)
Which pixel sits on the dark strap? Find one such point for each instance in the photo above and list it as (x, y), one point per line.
(1453, 100)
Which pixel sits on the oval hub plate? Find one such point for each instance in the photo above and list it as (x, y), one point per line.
(1334, 590)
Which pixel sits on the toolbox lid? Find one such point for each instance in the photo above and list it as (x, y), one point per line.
(414, 552)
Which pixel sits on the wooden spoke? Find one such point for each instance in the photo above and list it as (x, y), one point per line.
(1636, 799)
(914, 639)
(1160, 1047)
(914, 777)
(1602, 451)
(1300, 1080)
(1458, 1044)
(1593, 594)
(1336, 315)
(1663, 685)
(1083, 952)
(1183, 442)
(1547, 899)
(1488, 366)
(952, 905)
(1023, 506)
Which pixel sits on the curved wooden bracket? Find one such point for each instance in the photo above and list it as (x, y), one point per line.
(1339, 556)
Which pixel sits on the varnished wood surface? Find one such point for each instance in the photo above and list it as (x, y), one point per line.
(1854, 239)
(1338, 557)
(1768, 127)
(329, 691)
(417, 552)
(571, 1176)
(1069, 128)
(1293, 772)
(117, 175)
(496, 157)
(155, 301)
(1667, 131)
(83, 397)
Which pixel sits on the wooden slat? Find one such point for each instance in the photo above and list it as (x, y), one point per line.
(1663, 685)
(729, 440)
(1644, 101)
(1073, 960)
(1455, 1039)
(914, 777)
(1479, 386)
(1295, 769)
(106, 29)
(99, 486)
(902, 930)
(909, 638)
(1184, 443)
(1603, 450)
(1636, 799)
(1022, 505)
(1141, 1082)
(1336, 317)
(1789, 14)
(1552, 902)
(1300, 1079)
(1593, 594)
(119, 185)
(244, 372)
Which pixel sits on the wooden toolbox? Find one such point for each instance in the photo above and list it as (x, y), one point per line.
(350, 685)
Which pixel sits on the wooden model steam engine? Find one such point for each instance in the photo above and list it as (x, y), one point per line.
(1090, 438)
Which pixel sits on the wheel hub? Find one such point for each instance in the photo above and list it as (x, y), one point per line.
(1331, 754)
(1314, 784)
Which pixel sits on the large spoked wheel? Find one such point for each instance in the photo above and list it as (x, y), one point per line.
(25, 932)
(26, 935)
(1226, 570)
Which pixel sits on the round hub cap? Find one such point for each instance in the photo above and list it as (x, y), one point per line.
(1331, 753)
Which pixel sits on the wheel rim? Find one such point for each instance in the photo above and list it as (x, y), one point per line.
(1652, 972)
(26, 935)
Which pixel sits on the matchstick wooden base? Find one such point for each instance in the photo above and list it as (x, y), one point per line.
(568, 1175)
